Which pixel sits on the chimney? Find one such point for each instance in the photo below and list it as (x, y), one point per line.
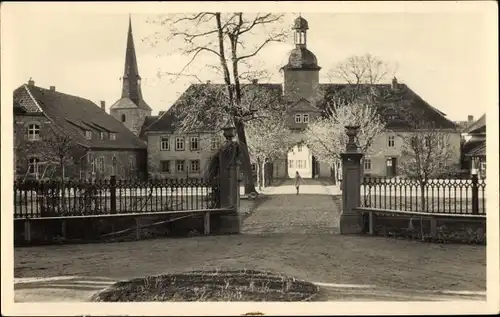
(103, 105)
(394, 83)
(470, 118)
(31, 82)
(255, 81)
(53, 88)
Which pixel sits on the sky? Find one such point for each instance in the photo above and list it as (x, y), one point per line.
(440, 55)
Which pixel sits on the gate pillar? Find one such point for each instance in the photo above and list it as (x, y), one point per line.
(229, 223)
(351, 221)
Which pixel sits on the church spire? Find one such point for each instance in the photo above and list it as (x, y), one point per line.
(131, 78)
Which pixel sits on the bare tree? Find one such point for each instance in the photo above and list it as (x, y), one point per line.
(268, 139)
(427, 151)
(224, 36)
(326, 136)
(59, 149)
(362, 69)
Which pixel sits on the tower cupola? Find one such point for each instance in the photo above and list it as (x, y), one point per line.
(300, 27)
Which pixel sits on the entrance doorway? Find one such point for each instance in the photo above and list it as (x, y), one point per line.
(390, 166)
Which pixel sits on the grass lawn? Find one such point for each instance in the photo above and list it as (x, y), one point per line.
(296, 236)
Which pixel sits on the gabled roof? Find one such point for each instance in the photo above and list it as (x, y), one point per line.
(479, 126)
(207, 95)
(478, 150)
(147, 122)
(402, 103)
(412, 103)
(74, 115)
(302, 105)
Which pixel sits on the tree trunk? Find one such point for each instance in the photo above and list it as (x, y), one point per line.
(264, 173)
(246, 165)
(422, 197)
(334, 174)
(63, 198)
(259, 173)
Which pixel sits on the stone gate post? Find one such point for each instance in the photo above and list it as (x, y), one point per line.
(229, 223)
(351, 221)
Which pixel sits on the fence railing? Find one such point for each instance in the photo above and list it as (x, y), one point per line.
(454, 196)
(34, 199)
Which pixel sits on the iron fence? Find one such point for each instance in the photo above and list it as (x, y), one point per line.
(34, 199)
(454, 196)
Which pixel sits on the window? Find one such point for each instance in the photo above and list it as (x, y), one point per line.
(179, 144)
(298, 118)
(100, 165)
(368, 164)
(482, 170)
(131, 163)
(101, 135)
(215, 143)
(305, 118)
(195, 166)
(194, 143)
(179, 166)
(165, 144)
(165, 166)
(112, 136)
(34, 166)
(301, 164)
(299, 148)
(88, 134)
(290, 163)
(114, 162)
(123, 118)
(390, 141)
(254, 167)
(33, 132)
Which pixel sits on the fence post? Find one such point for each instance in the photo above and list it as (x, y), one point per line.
(475, 195)
(27, 230)
(112, 189)
(351, 222)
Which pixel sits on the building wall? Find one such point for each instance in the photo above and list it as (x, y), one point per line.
(300, 84)
(134, 118)
(156, 155)
(26, 149)
(300, 154)
(381, 151)
(130, 164)
(80, 166)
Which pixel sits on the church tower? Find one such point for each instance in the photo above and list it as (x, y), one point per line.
(301, 74)
(131, 109)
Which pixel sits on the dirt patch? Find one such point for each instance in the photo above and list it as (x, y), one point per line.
(241, 285)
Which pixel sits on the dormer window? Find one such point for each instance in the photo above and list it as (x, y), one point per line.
(33, 132)
(88, 134)
(298, 118)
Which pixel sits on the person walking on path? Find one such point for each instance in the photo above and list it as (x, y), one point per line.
(298, 180)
